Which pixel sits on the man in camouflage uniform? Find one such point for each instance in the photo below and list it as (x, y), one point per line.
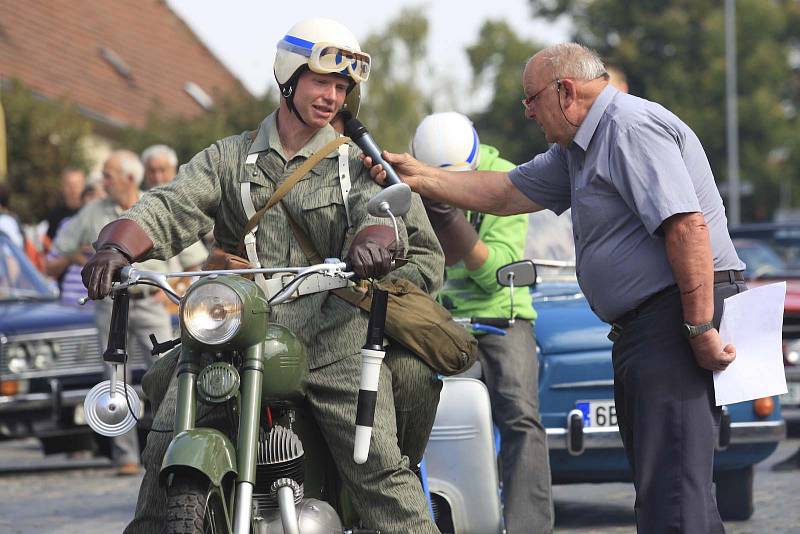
(208, 193)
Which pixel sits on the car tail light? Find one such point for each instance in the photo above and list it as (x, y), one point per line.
(763, 407)
(791, 352)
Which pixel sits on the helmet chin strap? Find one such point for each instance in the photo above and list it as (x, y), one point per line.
(287, 91)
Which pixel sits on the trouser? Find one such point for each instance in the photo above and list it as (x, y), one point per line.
(145, 316)
(385, 492)
(668, 419)
(511, 373)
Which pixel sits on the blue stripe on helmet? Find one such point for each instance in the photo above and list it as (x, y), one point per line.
(474, 152)
(298, 42)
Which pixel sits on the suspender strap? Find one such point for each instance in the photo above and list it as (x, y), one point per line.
(344, 179)
(295, 177)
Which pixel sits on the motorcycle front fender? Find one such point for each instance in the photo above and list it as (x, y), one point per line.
(206, 450)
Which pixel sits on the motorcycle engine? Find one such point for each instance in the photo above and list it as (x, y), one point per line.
(313, 517)
(280, 455)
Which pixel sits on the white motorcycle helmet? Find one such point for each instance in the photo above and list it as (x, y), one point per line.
(320, 45)
(447, 140)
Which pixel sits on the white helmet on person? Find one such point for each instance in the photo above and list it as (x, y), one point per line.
(320, 45)
(447, 140)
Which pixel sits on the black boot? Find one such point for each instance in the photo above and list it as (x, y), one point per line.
(792, 463)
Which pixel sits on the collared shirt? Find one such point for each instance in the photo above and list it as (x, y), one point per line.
(206, 194)
(631, 165)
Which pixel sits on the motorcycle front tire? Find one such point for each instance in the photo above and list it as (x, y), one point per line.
(195, 506)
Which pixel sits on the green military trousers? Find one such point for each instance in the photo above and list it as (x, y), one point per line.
(385, 492)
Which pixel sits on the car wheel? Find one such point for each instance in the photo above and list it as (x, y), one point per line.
(735, 494)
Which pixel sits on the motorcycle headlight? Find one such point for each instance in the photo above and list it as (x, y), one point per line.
(212, 313)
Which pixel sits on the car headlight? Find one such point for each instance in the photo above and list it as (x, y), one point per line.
(212, 313)
(42, 354)
(16, 358)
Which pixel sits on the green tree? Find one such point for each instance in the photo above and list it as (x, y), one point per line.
(498, 59)
(673, 52)
(232, 114)
(43, 137)
(394, 99)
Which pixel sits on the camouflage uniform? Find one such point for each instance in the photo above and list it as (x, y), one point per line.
(206, 194)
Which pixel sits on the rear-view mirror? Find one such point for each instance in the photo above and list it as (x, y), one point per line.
(519, 274)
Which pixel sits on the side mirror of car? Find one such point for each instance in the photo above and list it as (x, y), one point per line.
(517, 274)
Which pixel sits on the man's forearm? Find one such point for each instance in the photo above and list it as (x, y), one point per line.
(484, 191)
(688, 249)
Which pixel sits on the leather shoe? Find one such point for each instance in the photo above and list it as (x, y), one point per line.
(129, 469)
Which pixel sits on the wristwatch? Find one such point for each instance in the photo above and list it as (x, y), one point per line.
(691, 330)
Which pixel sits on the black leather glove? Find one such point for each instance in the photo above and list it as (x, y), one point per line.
(372, 251)
(101, 270)
(119, 244)
(454, 232)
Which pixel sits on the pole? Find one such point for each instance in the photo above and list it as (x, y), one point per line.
(732, 120)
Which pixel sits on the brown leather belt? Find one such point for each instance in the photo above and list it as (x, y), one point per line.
(721, 277)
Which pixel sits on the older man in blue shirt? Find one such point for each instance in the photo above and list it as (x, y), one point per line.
(654, 259)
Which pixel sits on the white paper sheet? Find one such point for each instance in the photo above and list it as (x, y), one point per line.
(752, 321)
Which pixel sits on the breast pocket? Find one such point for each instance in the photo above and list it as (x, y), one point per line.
(325, 217)
(597, 207)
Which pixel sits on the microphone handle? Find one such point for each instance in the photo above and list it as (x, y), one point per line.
(368, 146)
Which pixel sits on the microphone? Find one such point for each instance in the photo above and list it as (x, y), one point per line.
(355, 130)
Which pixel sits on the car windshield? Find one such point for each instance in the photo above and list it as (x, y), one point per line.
(760, 259)
(19, 279)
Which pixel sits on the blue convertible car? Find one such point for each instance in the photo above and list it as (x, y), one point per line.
(577, 403)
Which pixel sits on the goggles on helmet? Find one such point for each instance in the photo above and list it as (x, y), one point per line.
(327, 58)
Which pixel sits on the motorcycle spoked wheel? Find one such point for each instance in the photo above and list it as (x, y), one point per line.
(195, 506)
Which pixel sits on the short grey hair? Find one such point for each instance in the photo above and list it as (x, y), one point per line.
(160, 150)
(130, 164)
(572, 60)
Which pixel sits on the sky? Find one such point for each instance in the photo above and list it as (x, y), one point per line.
(243, 33)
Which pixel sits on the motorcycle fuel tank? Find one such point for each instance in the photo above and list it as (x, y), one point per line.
(285, 365)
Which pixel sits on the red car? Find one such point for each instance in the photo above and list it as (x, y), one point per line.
(765, 265)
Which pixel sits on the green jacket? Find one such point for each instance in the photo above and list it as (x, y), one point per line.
(206, 194)
(477, 293)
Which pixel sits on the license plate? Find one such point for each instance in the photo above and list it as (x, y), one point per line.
(792, 397)
(596, 413)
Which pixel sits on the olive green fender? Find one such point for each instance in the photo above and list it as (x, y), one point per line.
(206, 450)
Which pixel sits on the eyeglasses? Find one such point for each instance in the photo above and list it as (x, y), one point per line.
(530, 101)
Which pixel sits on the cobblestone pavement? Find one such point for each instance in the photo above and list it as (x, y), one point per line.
(60, 495)
(608, 508)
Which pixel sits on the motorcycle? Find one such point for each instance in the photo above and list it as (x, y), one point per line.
(270, 472)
